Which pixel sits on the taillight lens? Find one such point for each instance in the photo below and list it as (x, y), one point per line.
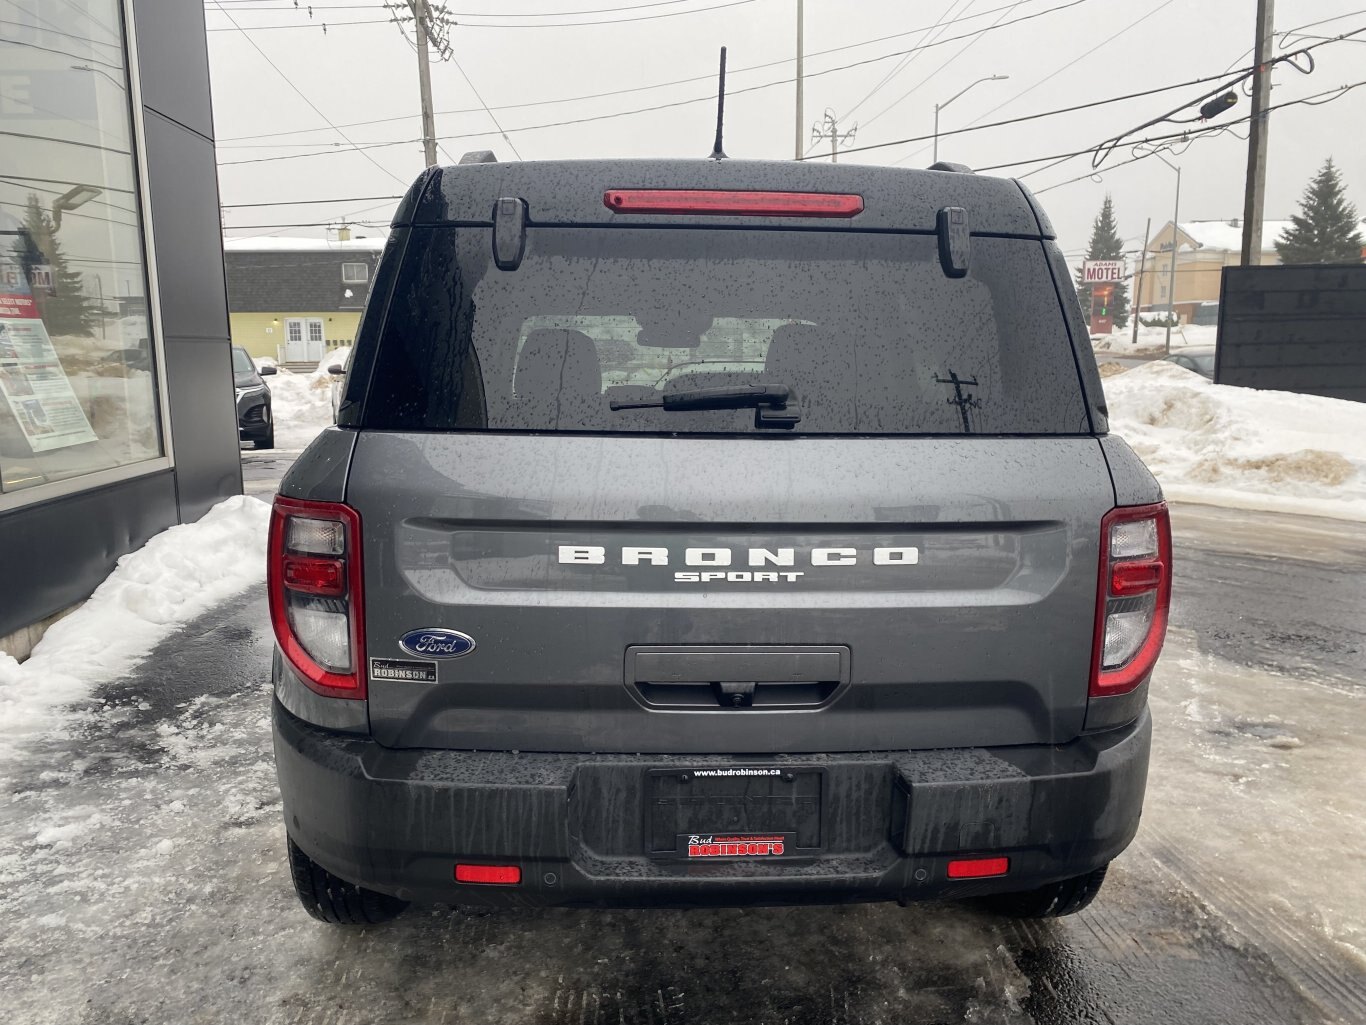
(1134, 597)
(316, 607)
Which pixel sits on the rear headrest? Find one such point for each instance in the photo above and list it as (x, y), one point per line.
(558, 372)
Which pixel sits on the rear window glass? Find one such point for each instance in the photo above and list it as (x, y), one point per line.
(598, 326)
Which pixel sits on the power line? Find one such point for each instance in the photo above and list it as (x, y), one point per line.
(1314, 100)
(471, 24)
(905, 62)
(936, 71)
(1054, 74)
(475, 14)
(711, 97)
(1045, 113)
(301, 96)
(307, 202)
(492, 117)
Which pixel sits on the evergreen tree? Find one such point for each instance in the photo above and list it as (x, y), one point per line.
(1106, 245)
(1326, 229)
(65, 309)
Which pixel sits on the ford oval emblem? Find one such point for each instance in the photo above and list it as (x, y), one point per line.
(437, 643)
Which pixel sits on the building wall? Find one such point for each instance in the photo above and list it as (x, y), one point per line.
(1199, 271)
(263, 334)
(61, 536)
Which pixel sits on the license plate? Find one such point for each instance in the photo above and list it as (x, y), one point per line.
(733, 812)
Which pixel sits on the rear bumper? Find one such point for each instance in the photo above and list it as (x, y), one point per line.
(397, 821)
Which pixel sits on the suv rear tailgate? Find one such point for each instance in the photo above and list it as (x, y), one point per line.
(982, 636)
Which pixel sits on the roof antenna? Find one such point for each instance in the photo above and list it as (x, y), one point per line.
(717, 153)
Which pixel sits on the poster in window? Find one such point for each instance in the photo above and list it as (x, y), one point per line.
(31, 376)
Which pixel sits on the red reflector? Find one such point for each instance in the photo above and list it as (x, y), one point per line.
(1135, 577)
(502, 875)
(978, 868)
(315, 576)
(758, 204)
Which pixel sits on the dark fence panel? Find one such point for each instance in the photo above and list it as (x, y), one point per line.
(1299, 329)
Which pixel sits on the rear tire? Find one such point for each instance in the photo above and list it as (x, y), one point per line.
(1066, 897)
(335, 901)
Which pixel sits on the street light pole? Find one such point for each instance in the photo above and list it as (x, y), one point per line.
(940, 106)
(801, 117)
(1176, 244)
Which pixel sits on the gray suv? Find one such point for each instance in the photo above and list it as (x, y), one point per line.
(715, 532)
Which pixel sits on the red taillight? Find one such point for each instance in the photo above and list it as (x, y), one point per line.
(978, 868)
(497, 875)
(755, 204)
(1134, 597)
(313, 577)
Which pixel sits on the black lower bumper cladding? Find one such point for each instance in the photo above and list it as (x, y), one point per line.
(628, 830)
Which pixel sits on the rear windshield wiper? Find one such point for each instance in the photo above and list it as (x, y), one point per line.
(730, 396)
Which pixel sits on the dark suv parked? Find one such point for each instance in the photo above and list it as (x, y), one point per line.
(254, 420)
(715, 532)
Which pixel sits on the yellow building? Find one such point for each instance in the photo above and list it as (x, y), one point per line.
(293, 299)
(1204, 249)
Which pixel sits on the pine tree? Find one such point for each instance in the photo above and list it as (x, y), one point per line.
(1326, 229)
(65, 309)
(1106, 245)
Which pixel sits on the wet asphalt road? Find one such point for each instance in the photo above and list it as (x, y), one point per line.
(1282, 593)
(177, 908)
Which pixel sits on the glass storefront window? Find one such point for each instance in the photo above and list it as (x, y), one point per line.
(77, 366)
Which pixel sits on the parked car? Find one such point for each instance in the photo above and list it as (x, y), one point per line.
(787, 593)
(254, 420)
(1199, 359)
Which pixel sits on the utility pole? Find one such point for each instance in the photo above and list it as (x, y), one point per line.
(829, 128)
(801, 116)
(1176, 245)
(1255, 196)
(1138, 289)
(424, 80)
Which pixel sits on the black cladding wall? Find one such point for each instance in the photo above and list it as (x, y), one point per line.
(56, 553)
(1296, 328)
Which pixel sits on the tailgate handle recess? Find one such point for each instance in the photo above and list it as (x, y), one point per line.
(712, 678)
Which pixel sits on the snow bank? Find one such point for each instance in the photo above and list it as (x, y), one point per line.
(1153, 339)
(302, 403)
(1243, 447)
(177, 575)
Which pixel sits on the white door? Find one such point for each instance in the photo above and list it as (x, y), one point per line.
(317, 346)
(296, 350)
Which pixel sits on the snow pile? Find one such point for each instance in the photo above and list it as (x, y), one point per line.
(1242, 447)
(1153, 339)
(173, 578)
(301, 405)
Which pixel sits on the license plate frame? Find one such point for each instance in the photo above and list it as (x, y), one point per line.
(733, 812)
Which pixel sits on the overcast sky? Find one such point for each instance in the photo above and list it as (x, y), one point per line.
(1068, 52)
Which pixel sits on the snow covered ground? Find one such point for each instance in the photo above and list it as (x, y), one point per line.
(1153, 339)
(302, 403)
(1242, 447)
(176, 576)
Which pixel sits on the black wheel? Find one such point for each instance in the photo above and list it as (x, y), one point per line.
(335, 901)
(1052, 901)
(268, 441)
